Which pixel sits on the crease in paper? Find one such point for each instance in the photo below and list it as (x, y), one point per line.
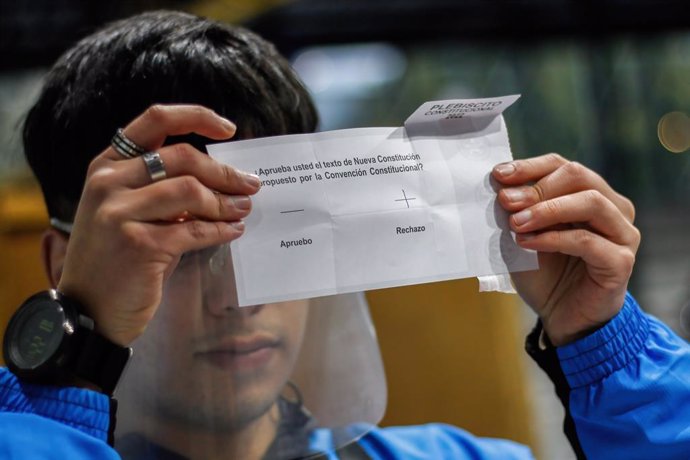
(496, 283)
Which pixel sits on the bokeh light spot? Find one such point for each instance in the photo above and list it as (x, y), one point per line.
(674, 132)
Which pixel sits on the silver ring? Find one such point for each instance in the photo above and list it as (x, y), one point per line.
(154, 166)
(126, 146)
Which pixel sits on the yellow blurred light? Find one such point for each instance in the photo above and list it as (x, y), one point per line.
(233, 11)
(674, 132)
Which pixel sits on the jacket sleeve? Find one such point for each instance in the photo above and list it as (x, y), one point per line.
(43, 422)
(437, 441)
(625, 388)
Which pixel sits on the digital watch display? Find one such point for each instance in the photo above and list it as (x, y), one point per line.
(38, 334)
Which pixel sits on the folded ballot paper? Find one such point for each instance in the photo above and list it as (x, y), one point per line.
(368, 208)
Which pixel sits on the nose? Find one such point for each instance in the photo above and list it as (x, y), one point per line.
(220, 299)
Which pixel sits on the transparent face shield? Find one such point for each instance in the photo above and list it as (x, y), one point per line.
(278, 381)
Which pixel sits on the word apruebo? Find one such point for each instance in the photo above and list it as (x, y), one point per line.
(292, 243)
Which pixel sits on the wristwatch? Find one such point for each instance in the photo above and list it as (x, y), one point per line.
(50, 340)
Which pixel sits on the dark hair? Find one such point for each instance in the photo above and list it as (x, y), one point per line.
(111, 76)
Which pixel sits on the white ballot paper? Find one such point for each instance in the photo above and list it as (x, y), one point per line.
(358, 209)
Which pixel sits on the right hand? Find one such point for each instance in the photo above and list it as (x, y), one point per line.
(128, 235)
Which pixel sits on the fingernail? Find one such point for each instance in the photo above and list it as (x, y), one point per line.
(514, 194)
(227, 124)
(522, 217)
(241, 202)
(524, 236)
(505, 169)
(252, 179)
(239, 225)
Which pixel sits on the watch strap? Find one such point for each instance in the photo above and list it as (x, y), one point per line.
(101, 362)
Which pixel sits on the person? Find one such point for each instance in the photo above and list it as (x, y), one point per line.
(140, 246)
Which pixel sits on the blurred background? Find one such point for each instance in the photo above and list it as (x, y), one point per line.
(595, 78)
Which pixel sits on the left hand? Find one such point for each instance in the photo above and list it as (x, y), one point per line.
(586, 241)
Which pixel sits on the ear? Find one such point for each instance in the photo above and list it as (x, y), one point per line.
(53, 250)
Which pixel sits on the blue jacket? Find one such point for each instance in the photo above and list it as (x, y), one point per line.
(625, 387)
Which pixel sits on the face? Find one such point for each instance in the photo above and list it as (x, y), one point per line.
(207, 365)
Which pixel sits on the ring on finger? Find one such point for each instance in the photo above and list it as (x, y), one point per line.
(154, 166)
(125, 146)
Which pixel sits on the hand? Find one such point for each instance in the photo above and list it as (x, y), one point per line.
(586, 242)
(128, 232)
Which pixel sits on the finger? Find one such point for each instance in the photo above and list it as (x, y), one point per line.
(150, 129)
(589, 207)
(566, 178)
(610, 261)
(518, 172)
(192, 235)
(169, 199)
(185, 160)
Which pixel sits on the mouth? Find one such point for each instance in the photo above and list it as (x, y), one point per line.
(240, 354)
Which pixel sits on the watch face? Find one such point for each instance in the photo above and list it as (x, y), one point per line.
(38, 334)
